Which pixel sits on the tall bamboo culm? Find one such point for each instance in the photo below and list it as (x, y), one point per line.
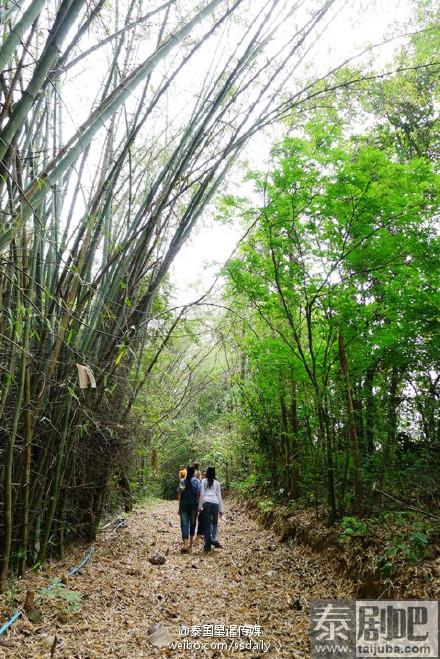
(94, 210)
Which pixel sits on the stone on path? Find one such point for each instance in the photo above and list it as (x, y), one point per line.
(159, 636)
(157, 558)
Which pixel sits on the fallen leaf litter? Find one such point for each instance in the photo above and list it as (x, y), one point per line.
(131, 608)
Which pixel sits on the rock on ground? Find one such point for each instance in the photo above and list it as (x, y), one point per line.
(253, 580)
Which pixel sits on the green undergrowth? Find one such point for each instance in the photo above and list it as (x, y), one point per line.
(404, 537)
(394, 537)
(66, 601)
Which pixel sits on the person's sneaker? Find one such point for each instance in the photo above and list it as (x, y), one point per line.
(217, 545)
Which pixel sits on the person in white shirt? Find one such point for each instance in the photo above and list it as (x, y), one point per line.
(212, 505)
(200, 529)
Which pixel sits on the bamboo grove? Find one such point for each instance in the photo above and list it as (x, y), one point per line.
(103, 177)
(119, 122)
(311, 378)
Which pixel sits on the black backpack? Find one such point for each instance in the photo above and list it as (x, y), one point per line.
(188, 497)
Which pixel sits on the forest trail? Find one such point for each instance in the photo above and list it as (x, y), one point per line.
(253, 580)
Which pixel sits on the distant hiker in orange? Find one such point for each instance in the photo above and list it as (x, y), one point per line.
(188, 504)
(182, 476)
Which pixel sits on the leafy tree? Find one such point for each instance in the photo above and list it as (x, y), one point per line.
(333, 270)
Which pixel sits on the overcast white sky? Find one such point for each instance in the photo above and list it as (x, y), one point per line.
(366, 22)
(357, 24)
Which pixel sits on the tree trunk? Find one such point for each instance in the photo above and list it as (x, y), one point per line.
(354, 443)
(125, 486)
(325, 437)
(284, 441)
(9, 465)
(369, 410)
(294, 447)
(390, 440)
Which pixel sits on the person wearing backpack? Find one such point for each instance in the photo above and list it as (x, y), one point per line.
(188, 505)
(212, 505)
(197, 472)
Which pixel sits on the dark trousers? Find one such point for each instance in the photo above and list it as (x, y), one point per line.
(200, 529)
(188, 520)
(210, 522)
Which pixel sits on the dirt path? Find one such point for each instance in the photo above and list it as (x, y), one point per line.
(254, 580)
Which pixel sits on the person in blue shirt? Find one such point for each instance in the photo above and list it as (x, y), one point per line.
(188, 505)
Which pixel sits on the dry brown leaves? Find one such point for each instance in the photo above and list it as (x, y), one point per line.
(254, 580)
(357, 557)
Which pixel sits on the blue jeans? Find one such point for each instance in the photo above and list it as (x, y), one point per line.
(188, 520)
(210, 523)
